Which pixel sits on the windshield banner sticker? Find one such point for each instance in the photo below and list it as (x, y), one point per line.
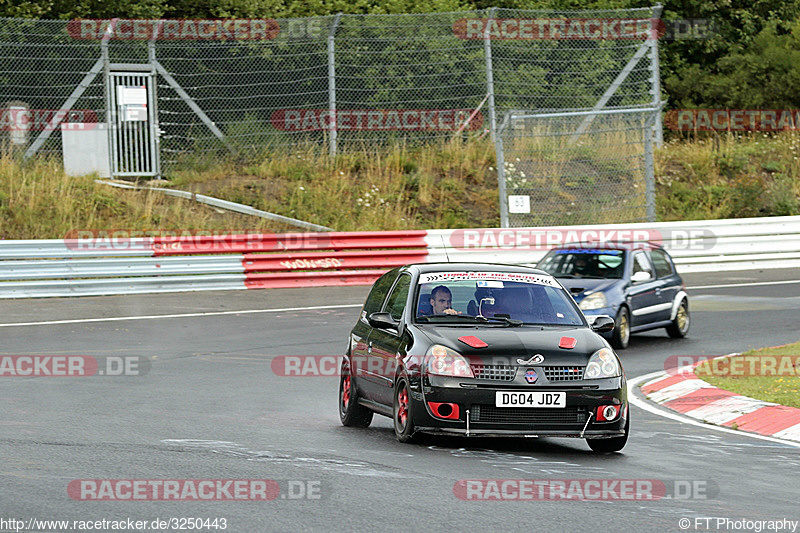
(534, 279)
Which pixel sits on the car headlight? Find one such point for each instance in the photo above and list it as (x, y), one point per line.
(442, 361)
(595, 300)
(603, 364)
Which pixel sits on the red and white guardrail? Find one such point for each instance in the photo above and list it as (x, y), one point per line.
(96, 263)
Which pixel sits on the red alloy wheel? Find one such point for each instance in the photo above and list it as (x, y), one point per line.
(402, 408)
(346, 392)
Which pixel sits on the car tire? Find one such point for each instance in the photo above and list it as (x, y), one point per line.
(613, 444)
(680, 324)
(401, 412)
(621, 335)
(351, 413)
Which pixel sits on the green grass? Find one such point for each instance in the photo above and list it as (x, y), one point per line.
(784, 390)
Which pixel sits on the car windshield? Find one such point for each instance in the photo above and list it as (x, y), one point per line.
(584, 263)
(459, 297)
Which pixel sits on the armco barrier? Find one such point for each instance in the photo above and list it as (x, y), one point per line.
(696, 246)
(87, 267)
(48, 268)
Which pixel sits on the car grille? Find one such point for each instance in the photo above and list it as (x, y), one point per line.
(563, 373)
(494, 372)
(524, 415)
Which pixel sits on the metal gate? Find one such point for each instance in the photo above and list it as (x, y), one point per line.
(133, 143)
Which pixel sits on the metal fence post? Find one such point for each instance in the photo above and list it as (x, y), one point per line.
(501, 177)
(111, 112)
(332, 85)
(156, 126)
(656, 78)
(649, 166)
(487, 48)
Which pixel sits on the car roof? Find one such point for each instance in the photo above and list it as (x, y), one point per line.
(424, 268)
(608, 246)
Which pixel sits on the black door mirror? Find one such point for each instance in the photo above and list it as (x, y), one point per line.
(384, 321)
(601, 323)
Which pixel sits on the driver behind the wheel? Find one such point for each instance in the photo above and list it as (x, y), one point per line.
(581, 266)
(442, 301)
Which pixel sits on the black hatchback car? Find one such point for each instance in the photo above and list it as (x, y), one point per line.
(482, 350)
(638, 285)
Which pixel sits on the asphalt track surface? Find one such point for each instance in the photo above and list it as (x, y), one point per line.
(210, 407)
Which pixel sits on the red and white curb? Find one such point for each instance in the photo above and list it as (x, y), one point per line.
(685, 393)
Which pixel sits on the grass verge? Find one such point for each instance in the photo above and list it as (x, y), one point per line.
(783, 389)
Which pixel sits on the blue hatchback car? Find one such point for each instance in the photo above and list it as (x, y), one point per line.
(640, 288)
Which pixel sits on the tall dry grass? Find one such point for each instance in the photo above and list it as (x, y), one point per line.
(728, 175)
(376, 188)
(445, 185)
(39, 201)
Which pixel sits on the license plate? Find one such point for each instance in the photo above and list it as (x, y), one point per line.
(530, 399)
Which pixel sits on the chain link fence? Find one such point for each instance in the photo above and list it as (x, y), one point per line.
(343, 82)
(576, 147)
(554, 176)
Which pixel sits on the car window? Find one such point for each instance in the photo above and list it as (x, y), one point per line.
(397, 300)
(611, 265)
(641, 264)
(378, 293)
(580, 262)
(530, 298)
(661, 263)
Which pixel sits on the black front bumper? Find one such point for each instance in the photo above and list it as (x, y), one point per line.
(476, 403)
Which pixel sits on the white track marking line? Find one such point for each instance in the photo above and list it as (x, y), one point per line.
(182, 315)
(757, 283)
(633, 390)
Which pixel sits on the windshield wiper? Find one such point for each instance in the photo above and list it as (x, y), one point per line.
(510, 322)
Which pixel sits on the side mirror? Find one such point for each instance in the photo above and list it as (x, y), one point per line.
(383, 321)
(641, 276)
(601, 323)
